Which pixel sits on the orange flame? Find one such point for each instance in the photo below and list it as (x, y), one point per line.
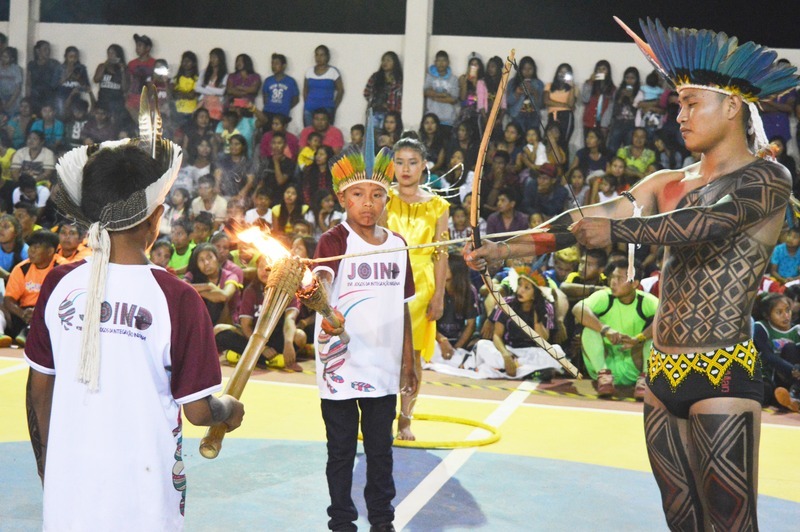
(270, 248)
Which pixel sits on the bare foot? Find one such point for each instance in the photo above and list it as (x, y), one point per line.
(404, 429)
(511, 365)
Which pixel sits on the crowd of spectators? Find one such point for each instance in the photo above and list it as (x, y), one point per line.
(245, 164)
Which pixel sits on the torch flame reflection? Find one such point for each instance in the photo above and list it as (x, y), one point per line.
(270, 248)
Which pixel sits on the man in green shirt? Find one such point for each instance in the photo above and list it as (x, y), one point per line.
(617, 329)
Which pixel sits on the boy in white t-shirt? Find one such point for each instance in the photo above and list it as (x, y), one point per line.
(366, 373)
(111, 430)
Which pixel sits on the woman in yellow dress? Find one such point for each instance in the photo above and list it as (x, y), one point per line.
(421, 218)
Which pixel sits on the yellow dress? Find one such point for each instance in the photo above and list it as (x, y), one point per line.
(416, 222)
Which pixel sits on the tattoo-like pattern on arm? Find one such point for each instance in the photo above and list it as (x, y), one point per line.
(761, 193)
(38, 445)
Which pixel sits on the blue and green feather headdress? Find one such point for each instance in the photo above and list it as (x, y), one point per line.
(710, 60)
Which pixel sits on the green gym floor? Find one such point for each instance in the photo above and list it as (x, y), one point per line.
(565, 460)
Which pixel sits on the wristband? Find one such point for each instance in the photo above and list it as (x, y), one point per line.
(604, 330)
(641, 338)
(508, 249)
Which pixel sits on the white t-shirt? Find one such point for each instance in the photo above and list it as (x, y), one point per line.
(252, 215)
(114, 457)
(42, 195)
(370, 292)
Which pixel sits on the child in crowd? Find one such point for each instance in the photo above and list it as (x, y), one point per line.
(458, 225)
(606, 188)
(176, 209)
(323, 214)
(228, 129)
(182, 247)
(785, 261)
(30, 192)
(304, 247)
(209, 201)
(777, 342)
(161, 254)
(222, 242)
(306, 155)
(25, 282)
(202, 227)
(50, 126)
(262, 210)
(650, 114)
(219, 288)
(565, 261)
(356, 138)
(579, 189)
(302, 228)
(365, 373)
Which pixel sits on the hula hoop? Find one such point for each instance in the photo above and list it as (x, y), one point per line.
(494, 434)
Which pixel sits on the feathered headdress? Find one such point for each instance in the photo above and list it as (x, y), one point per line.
(116, 216)
(352, 166)
(713, 61)
(527, 273)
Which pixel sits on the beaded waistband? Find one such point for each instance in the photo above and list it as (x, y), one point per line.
(712, 364)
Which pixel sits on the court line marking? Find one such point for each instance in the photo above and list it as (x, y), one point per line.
(450, 464)
(13, 369)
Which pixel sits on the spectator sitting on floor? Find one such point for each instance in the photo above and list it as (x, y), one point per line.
(785, 262)
(25, 282)
(455, 330)
(219, 288)
(590, 276)
(202, 228)
(28, 214)
(29, 191)
(161, 254)
(565, 261)
(71, 247)
(182, 246)
(777, 343)
(618, 329)
(13, 248)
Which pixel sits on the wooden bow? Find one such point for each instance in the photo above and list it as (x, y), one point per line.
(476, 236)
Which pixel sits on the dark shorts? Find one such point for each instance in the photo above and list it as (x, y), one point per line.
(679, 381)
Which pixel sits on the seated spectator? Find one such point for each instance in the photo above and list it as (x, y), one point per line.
(182, 246)
(99, 128)
(777, 343)
(785, 261)
(515, 143)
(246, 257)
(18, 126)
(13, 248)
(458, 225)
(456, 329)
(512, 351)
(306, 156)
(593, 158)
(235, 173)
(34, 160)
(357, 133)
(464, 140)
(506, 216)
(28, 214)
(302, 229)
(786, 160)
(467, 203)
(565, 261)
(544, 194)
(668, 155)
(317, 176)
(321, 123)
(208, 200)
(71, 242)
(532, 156)
(607, 186)
(277, 170)
(232, 339)
(25, 282)
(6, 156)
(556, 155)
(199, 129)
(278, 125)
(161, 254)
(637, 155)
(29, 191)
(280, 93)
(203, 227)
(219, 288)
(226, 129)
(177, 207)
(262, 210)
(578, 189)
(76, 121)
(50, 126)
(431, 135)
(617, 331)
(303, 246)
(197, 164)
(589, 277)
(323, 214)
(500, 176)
(222, 242)
(289, 211)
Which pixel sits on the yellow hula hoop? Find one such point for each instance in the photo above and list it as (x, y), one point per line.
(494, 434)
